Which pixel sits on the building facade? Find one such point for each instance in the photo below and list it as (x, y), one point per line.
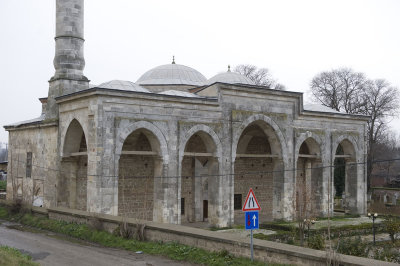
(174, 147)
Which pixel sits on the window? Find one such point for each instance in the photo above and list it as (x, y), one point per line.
(28, 164)
(237, 201)
(182, 206)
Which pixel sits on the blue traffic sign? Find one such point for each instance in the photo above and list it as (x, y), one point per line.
(251, 220)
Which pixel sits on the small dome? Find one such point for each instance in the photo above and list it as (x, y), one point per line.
(231, 78)
(122, 85)
(179, 93)
(172, 74)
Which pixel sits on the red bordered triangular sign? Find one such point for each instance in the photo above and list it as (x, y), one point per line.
(251, 203)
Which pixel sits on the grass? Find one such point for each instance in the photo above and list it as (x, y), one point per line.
(171, 250)
(3, 185)
(13, 257)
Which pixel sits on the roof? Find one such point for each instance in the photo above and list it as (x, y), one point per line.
(319, 108)
(172, 74)
(31, 121)
(231, 78)
(122, 85)
(179, 93)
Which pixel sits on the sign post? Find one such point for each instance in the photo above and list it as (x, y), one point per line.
(251, 208)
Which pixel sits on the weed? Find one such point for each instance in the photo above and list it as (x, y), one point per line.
(172, 250)
(13, 257)
(387, 253)
(392, 226)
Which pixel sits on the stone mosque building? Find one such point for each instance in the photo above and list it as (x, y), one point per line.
(176, 147)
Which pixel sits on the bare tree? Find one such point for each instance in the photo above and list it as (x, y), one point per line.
(340, 89)
(260, 76)
(347, 91)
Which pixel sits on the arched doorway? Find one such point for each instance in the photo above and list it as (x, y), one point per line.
(345, 176)
(309, 180)
(72, 186)
(140, 165)
(258, 165)
(199, 180)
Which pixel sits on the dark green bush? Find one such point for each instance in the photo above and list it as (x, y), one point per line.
(353, 246)
(316, 241)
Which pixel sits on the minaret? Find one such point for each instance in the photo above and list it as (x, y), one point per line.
(68, 60)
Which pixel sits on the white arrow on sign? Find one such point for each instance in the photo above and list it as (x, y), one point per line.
(254, 220)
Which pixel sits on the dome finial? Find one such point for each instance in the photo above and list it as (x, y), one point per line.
(229, 68)
(173, 59)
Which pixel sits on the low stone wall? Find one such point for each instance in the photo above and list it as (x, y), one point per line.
(384, 195)
(265, 251)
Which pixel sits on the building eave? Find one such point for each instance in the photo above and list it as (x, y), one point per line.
(124, 93)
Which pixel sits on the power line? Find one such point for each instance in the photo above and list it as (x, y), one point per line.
(209, 175)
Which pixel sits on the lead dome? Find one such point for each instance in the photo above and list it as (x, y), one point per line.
(172, 74)
(231, 78)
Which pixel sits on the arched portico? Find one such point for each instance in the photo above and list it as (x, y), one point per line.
(309, 179)
(258, 162)
(141, 153)
(199, 194)
(72, 184)
(346, 180)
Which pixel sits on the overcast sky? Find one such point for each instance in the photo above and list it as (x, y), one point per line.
(124, 38)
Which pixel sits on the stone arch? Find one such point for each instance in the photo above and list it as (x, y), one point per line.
(65, 131)
(309, 176)
(128, 129)
(141, 154)
(263, 156)
(201, 128)
(265, 120)
(199, 182)
(347, 163)
(348, 138)
(315, 141)
(72, 183)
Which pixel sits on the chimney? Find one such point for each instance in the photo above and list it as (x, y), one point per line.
(68, 60)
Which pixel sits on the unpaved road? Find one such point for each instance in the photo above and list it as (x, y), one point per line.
(49, 249)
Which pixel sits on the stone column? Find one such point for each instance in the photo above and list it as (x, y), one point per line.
(351, 186)
(214, 195)
(159, 203)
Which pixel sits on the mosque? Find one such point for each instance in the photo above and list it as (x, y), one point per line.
(176, 147)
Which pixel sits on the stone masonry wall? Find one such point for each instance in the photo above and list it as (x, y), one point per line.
(42, 143)
(81, 184)
(136, 186)
(186, 187)
(262, 183)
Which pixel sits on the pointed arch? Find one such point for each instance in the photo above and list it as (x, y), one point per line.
(271, 129)
(126, 129)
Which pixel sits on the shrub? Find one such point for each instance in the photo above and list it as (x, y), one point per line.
(392, 226)
(353, 246)
(3, 185)
(16, 206)
(95, 223)
(316, 241)
(387, 253)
